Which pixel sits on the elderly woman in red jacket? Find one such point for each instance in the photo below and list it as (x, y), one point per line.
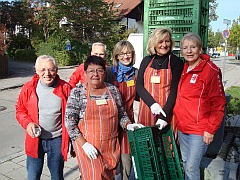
(200, 104)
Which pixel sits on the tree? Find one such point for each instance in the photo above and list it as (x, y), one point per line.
(234, 38)
(214, 39)
(212, 10)
(88, 21)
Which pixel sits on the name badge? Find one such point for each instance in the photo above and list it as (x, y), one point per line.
(155, 79)
(130, 83)
(101, 102)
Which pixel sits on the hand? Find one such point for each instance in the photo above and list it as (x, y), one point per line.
(157, 109)
(90, 150)
(161, 124)
(32, 131)
(133, 126)
(207, 137)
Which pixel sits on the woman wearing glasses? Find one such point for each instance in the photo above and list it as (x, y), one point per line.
(200, 103)
(122, 74)
(158, 78)
(93, 113)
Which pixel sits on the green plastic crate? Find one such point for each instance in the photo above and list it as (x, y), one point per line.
(181, 16)
(154, 154)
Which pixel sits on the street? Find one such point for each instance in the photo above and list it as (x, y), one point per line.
(12, 134)
(231, 72)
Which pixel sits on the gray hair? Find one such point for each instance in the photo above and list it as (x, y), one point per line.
(101, 44)
(45, 58)
(192, 37)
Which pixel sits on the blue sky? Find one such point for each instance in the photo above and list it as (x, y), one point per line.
(227, 9)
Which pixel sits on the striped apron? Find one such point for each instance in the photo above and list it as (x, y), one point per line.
(128, 93)
(159, 91)
(100, 128)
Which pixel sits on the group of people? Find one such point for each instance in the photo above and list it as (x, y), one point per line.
(95, 109)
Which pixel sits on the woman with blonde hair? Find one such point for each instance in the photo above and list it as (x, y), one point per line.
(157, 80)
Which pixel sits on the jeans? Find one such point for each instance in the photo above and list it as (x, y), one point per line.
(55, 161)
(192, 150)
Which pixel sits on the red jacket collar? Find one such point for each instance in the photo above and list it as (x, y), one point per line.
(205, 58)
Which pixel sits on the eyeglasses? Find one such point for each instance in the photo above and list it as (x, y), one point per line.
(129, 53)
(93, 71)
(185, 48)
(51, 70)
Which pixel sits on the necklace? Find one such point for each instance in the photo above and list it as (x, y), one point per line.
(160, 64)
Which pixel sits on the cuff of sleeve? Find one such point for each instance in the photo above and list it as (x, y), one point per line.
(125, 126)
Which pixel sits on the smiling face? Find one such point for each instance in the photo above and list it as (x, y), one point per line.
(190, 51)
(95, 75)
(163, 46)
(125, 56)
(47, 71)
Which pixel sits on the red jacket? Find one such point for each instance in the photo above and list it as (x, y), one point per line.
(27, 111)
(201, 99)
(77, 76)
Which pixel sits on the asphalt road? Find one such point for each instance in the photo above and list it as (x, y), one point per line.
(12, 134)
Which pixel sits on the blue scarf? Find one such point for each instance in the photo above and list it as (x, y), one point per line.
(121, 72)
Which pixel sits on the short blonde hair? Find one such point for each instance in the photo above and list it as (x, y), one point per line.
(118, 48)
(45, 58)
(157, 35)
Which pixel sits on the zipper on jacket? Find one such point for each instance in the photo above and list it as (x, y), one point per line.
(199, 102)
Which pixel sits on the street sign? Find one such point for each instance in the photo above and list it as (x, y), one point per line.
(226, 21)
(225, 34)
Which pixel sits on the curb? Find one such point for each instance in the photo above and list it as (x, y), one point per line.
(13, 156)
(11, 87)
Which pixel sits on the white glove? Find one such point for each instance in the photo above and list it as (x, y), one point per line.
(133, 126)
(90, 150)
(161, 123)
(157, 109)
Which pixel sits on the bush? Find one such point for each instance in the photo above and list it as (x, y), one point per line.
(233, 106)
(27, 55)
(65, 58)
(18, 41)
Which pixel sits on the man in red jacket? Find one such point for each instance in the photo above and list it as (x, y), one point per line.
(40, 110)
(98, 49)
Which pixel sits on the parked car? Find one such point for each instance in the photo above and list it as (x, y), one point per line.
(237, 57)
(215, 55)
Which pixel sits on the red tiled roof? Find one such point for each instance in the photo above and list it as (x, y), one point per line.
(125, 6)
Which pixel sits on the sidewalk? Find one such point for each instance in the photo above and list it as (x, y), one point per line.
(14, 167)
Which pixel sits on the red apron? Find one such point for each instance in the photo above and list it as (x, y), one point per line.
(159, 91)
(100, 128)
(128, 93)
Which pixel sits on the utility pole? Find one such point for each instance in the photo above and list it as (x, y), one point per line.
(225, 35)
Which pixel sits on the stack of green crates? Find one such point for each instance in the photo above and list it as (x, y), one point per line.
(154, 154)
(181, 16)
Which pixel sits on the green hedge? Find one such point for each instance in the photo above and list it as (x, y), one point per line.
(27, 55)
(233, 106)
